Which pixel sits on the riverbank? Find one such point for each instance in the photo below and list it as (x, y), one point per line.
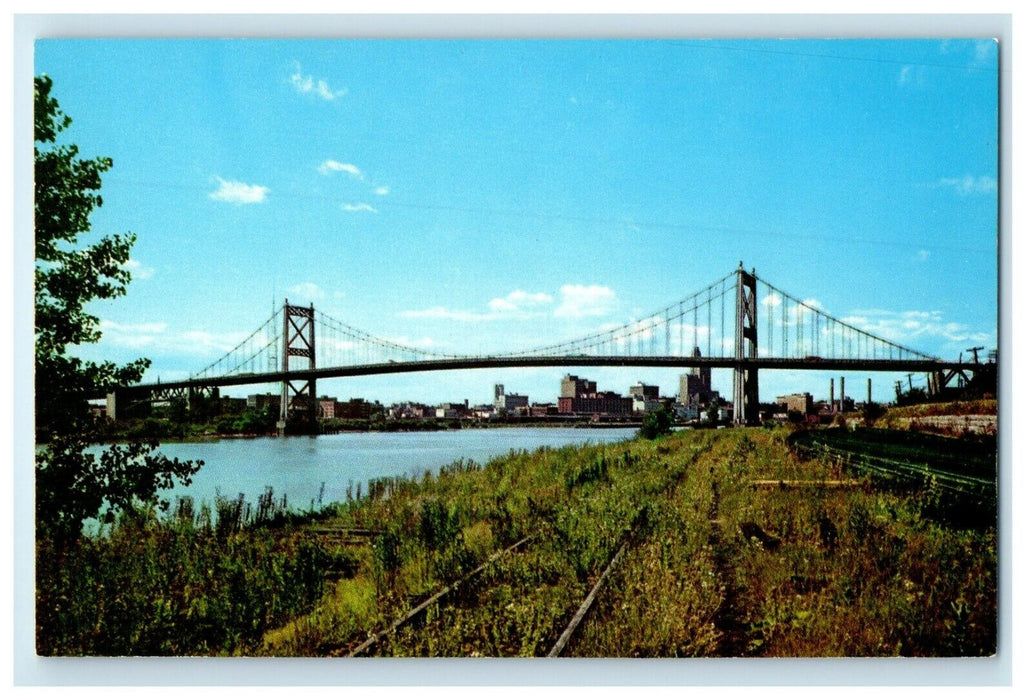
(714, 564)
(166, 430)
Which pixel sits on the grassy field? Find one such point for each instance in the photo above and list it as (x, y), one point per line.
(716, 561)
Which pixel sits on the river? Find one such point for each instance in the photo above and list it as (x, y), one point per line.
(302, 467)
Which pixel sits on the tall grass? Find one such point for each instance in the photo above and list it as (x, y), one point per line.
(180, 586)
(714, 565)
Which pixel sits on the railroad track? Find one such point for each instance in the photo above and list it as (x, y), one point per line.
(343, 535)
(966, 484)
(445, 598)
(414, 613)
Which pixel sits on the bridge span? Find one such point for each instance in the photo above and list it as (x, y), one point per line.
(438, 365)
(132, 394)
(740, 322)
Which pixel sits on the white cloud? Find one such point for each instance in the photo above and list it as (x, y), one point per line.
(518, 304)
(330, 344)
(308, 290)
(799, 312)
(421, 343)
(908, 327)
(684, 330)
(156, 327)
(198, 342)
(902, 78)
(382, 191)
(923, 255)
(578, 300)
(139, 270)
(156, 335)
(238, 192)
(519, 299)
(335, 166)
(358, 206)
(969, 184)
(771, 300)
(646, 327)
(132, 335)
(306, 84)
(440, 312)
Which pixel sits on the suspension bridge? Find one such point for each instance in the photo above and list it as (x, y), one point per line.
(740, 322)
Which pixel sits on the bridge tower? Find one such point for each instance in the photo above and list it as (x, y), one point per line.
(745, 391)
(298, 401)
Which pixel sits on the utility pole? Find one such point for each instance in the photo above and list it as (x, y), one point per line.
(975, 353)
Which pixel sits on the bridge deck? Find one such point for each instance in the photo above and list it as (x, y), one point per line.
(460, 363)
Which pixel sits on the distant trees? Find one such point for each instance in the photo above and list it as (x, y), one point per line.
(72, 485)
(912, 396)
(871, 412)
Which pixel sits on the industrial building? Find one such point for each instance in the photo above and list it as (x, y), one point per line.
(260, 401)
(644, 391)
(329, 407)
(581, 397)
(572, 386)
(801, 403)
(506, 403)
(452, 411)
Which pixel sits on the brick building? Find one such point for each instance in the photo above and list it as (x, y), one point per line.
(581, 397)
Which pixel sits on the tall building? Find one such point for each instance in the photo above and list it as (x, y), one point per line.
(694, 387)
(580, 396)
(571, 386)
(508, 402)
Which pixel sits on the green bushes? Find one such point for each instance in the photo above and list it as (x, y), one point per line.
(177, 586)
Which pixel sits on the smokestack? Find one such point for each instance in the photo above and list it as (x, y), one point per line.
(869, 389)
(832, 393)
(842, 392)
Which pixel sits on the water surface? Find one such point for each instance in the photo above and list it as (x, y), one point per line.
(300, 466)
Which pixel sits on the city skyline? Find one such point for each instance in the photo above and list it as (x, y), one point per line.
(466, 196)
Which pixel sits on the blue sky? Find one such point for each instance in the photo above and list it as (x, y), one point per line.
(468, 196)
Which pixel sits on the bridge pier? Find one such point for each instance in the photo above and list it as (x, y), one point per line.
(298, 403)
(114, 399)
(745, 387)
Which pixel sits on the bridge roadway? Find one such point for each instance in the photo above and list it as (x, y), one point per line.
(459, 363)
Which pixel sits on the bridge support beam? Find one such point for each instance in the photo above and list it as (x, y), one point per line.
(114, 399)
(745, 388)
(127, 402)
(298, 402)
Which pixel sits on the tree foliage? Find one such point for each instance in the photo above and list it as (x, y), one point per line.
(71, 484)
(657, 423)
(912, 396)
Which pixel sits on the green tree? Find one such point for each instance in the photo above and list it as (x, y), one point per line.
(72, 485)
(657, 423)
(871, 412)
(713, 411)
(912, 396)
